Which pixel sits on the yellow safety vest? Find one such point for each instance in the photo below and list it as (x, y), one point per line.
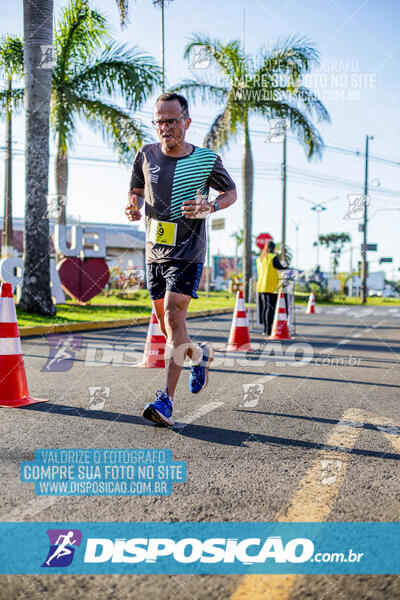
(268, 278)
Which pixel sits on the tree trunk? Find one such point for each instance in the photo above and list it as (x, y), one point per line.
(7, 245)
(247, 176)
(61, 183)
(38, 35)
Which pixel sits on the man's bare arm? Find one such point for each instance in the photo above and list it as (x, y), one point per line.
(225, 199)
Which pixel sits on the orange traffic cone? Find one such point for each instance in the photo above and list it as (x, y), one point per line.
(153, 357)
(311, 304)
(13, 384)
(280, 328)
(239, 337)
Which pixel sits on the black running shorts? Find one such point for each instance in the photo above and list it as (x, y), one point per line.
(173, 276)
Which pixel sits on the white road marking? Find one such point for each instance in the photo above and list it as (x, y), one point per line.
(267, 378)
(200, 412)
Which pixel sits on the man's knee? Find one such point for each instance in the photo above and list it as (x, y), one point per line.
(174, 318)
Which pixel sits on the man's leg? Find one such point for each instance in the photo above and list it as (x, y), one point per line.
(272, 298)
(158, 307)
(178, 342)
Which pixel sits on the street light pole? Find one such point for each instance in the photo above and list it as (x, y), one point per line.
(365, 224)
(318, 209)
(283, 243)
(297, 243)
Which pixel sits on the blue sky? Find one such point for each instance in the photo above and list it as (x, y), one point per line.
(359, 44)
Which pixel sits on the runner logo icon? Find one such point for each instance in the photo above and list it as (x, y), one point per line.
(62, 542)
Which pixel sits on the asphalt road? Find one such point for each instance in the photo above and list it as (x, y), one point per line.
(253, 441)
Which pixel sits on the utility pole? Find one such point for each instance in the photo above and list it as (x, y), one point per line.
(162, 3)
(208, 258)
(162, 46)
(7, 236)
(283, 243)
(364, 290)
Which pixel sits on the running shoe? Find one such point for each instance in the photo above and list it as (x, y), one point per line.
(160, 411)
(199, 370)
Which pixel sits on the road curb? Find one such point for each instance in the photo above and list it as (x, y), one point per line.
(37, 330)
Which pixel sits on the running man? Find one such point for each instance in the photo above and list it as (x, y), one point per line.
(172, 178)
(62, 549)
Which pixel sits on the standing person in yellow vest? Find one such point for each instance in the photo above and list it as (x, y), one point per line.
(267, 284)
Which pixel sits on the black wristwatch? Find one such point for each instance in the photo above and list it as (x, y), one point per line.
(216, 206)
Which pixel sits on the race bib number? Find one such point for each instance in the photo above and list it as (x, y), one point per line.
(162, 232)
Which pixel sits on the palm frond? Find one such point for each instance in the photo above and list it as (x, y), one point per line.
(311, 103)
(80, 30)
(123, 6)
(11, 55)
(62, 117)
(198, 90)
(125, 132)
(299, 123)
(292, 56)
(297, 51)
(119, 71)
(15, 97)
(228, 58)
(221, 132)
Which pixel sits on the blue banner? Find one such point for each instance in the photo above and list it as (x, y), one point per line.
(200, 548)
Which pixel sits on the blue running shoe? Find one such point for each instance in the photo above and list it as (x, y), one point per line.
(199, 370)
(160, 411)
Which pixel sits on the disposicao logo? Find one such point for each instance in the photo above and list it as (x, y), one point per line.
(190, 550)
(62, 547)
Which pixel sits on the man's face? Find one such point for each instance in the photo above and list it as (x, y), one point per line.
(173, 135)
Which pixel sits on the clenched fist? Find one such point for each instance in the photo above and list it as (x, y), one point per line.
(132, 211)
(198, 208)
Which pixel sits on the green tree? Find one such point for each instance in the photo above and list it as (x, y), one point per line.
(91, 73)
(336, 242)
(11, 66)
(343, 279)
(272, 90)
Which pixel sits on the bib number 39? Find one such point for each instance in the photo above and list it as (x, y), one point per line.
(163, 232)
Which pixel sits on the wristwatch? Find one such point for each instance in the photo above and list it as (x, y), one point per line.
(216, 206)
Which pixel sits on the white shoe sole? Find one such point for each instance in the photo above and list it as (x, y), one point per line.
(210, 351)
(152, 414)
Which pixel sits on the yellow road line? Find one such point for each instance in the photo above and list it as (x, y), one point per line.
(312, 502)
(386, 424)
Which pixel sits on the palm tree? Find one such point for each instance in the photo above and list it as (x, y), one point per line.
(11, 65)
(335, 241)
(89, 76)
(273, 90)
(38, 35)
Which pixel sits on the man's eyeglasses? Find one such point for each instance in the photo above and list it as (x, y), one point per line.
(171, 123)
